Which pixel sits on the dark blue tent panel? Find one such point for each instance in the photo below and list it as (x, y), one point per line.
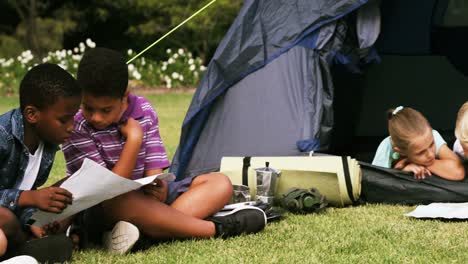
(280, 81)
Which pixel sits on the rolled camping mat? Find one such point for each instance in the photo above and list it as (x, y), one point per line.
(336, 177)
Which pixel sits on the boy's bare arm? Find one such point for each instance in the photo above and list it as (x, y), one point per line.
(158, 189)
(133, 134)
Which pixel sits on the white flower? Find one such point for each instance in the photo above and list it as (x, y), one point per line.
(175, 75)
(195, 73)
(69, 52)
(192, 67)
(82, 47)
(202, 68)
(90, 43)
(75, 65)
(168, 51)
(129, 52)
(181, 52)
(136, 75)
(190, 61)
(175, 56)
(171, 60)
(164, 67)
(131, 67)
(45, 59)
(181, 77)
(168, 81)
(76, 50)
(76, 57)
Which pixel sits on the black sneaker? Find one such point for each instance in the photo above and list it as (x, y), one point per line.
(49, 249)
(242, 220)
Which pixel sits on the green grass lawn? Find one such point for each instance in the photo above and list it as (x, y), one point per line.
(364, 234)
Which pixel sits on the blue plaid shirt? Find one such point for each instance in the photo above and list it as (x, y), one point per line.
(14, 157)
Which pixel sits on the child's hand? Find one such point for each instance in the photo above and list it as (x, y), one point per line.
(420, 172)
(37, 232)
(58, 226)
(52, 199)
(131, 130)
(158, 190)
(401, 164)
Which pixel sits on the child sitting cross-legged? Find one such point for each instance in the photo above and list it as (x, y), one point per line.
(413, 146)
(29, 139)
(120, 131)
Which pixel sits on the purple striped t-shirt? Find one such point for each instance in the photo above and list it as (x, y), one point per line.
(105, 146)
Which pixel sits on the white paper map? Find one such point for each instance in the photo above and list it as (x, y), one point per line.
(441, 210)
(92, 184)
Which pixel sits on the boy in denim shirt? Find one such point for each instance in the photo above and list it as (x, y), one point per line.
(29, 139)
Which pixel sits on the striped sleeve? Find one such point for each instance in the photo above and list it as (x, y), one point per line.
(156, 157)
(79, 147)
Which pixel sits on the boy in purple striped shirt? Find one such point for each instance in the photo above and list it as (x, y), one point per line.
(120, 131)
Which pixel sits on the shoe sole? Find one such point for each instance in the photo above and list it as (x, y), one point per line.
(122, 238)
(225, 213)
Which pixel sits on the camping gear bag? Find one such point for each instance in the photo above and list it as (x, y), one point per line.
(304, 201)
(337, 178)
(390, 186)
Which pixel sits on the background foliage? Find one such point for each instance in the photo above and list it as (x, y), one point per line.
(48, 25)
(33, 32)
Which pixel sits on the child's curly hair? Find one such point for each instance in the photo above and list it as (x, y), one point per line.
(103, 72)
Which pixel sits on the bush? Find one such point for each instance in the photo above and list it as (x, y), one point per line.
(180, 69)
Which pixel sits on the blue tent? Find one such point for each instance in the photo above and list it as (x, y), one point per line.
(294, 76)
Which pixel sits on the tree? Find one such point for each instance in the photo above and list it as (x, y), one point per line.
(27, 11)
(201, 35)
(41, 34)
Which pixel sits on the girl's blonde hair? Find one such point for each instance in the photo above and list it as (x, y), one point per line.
(461, 127)
(404, 124)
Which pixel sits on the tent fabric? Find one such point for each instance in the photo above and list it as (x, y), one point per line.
(269, 53)
(407, 27)
(390, 186)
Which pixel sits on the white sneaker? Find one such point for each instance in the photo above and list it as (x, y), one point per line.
(20, 260)
(122, 237)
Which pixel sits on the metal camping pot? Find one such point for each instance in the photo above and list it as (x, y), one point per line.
(267, 179)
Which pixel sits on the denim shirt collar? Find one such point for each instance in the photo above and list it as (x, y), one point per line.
(17, 125)
(17, 129)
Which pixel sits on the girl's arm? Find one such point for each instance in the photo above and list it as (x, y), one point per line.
(448, 166)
